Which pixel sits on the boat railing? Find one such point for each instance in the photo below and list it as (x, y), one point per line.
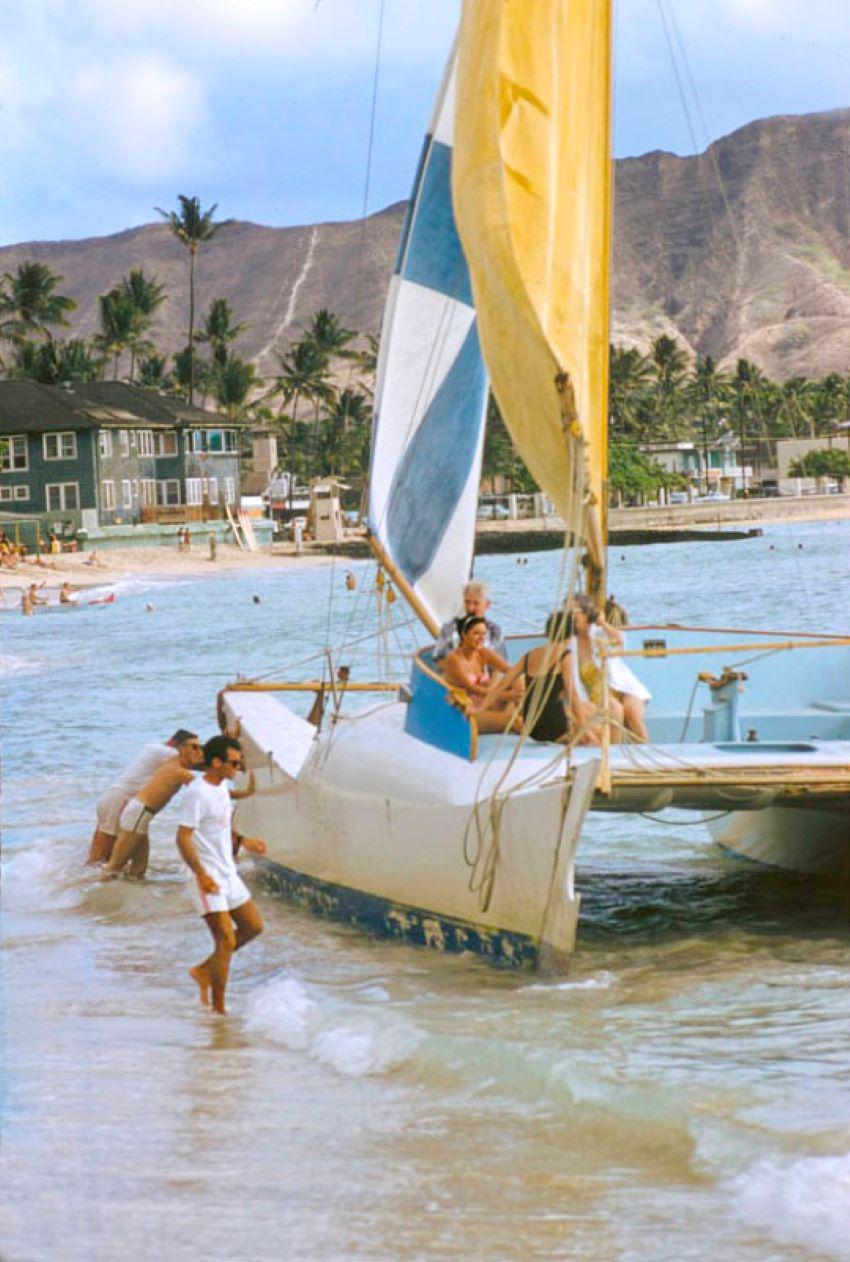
(438, 714)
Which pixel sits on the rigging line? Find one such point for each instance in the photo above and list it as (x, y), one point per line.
(367, 180)
(709, 151)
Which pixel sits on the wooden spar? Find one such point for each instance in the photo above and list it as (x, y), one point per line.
(771, 646)
(403, 586)
(308, 686)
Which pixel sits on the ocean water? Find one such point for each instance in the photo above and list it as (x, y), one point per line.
(683, 1094)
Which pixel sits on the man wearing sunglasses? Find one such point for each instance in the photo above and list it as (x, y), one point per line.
(132, 845)
(208, 845)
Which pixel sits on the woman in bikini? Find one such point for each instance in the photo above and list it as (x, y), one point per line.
(479, 672)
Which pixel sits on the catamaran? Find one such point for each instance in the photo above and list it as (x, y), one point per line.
(399, 815)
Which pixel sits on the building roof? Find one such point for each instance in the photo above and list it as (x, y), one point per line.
(29, 407)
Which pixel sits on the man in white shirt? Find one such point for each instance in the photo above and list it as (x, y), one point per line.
(208, 845)
(131, 779)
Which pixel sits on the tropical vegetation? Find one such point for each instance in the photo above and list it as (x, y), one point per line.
(319, 393)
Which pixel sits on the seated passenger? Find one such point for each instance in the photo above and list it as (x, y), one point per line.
(476, 670)
(628, 696)
(475, 602)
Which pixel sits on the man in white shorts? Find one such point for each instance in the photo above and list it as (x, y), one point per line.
(132, 845)
(208, 844)
(131, 779)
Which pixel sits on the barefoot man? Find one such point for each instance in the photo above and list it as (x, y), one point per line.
(209, 845)
(132, 845)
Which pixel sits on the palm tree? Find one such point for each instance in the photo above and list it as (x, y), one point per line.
(118, 331)
(750, 392)
(54, 363)
(329, 335)
(303, 375)
(145, 295)
(232, 383)
(219, 330)
(29, 303)
(670, 366)
(367, 362)
(192, 227)
(707, 391)
(346, 423)
(629, 374)
(153, 372)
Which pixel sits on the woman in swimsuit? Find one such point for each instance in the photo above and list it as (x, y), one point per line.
(628, 695)
(477, 671)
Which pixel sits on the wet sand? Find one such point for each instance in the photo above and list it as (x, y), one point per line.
(154, 562)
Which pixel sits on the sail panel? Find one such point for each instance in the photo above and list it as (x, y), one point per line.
(431, 394)
(532, 193)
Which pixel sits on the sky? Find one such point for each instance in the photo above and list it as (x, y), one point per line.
(110, 108)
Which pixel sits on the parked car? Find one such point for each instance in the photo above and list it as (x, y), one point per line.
(490, 511)
(678, 497)
(712, 497)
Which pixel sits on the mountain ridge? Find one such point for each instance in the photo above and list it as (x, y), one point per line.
(756, 268)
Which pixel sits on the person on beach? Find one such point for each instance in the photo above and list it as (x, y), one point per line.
(132, 845)
(208, 845)
(475, 669)
(476, 602)
(131, 779)
(33, 590)
(66, 595)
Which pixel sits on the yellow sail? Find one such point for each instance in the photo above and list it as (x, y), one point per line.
(532, 200)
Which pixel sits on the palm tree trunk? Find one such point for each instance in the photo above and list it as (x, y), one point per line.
(191, 326)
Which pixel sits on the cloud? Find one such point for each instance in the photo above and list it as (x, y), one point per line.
(323, 33)
(136, 118)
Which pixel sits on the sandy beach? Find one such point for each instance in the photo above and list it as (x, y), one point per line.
(155, 562)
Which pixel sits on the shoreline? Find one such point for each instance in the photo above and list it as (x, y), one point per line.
(120, 564)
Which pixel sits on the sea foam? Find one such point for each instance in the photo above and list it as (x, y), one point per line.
(350, 1042)
(802, 1202)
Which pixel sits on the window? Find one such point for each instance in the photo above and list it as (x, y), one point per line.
(212, 489)
(132, 438)
(214, 441)
(168, 492)
(148, 492)
(108, 495)
(193, 491)
(60, 447)
(62, 496)
(15, 454)
(104, 442)
(14, 493)
(145, 442)
(123, 442)
(135, 488)
(165, 444)
(127, 493)
(230, 490)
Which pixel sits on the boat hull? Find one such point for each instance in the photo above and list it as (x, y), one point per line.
(414, 843)
(812, 842)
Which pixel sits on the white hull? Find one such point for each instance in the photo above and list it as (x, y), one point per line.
(369, 825)
(816, 843)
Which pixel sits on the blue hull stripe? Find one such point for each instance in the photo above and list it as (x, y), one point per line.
(386, 919)
(434, 470)
(433, 256)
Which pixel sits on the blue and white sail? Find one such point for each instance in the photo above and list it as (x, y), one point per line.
(431, 396)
